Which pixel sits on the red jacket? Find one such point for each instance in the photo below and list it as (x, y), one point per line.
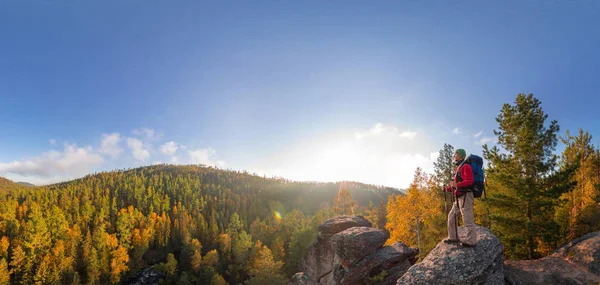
(464, 180)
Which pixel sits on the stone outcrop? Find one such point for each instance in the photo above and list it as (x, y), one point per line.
(349, 251)
(148, 276)
(355, 243)
(452, 264)
(577, 262)
(318, 260)
(394, 260)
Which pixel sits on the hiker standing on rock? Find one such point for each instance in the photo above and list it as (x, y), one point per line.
(461, 186)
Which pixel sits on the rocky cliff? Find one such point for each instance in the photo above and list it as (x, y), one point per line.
(349, 251)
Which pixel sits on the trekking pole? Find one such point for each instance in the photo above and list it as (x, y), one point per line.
(456, 218)
(445, 205)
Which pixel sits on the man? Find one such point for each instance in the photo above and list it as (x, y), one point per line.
(461, 187)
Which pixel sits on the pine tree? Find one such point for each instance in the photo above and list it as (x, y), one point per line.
(262, 268)
(519, 178)
(579, 211)
(4, 273)
(444, 166)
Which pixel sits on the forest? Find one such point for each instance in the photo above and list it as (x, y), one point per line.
(202, 225)
(195, 224)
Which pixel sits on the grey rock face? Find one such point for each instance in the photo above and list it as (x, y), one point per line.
(341, 223)
(449, 264)
(584, 251)
(318, 260)
(348, 251)
(355, 243)
(394, 259)
(577, 262)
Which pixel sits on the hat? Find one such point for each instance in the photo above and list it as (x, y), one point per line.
(461, 153)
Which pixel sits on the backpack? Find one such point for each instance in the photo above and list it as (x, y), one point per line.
(476, 163)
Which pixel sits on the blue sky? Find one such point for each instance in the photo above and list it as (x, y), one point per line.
(307, 90)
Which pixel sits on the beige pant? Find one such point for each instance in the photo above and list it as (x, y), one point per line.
(465, 202)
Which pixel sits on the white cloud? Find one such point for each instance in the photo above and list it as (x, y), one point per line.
(53, 166)
(110, 144)
(381, 155)
(484, 140)
(478, 134)
(169, 148)
(147, 133)
(52, 142)
(381, 129)
(139, 150)
(206, 156)
(456, 131)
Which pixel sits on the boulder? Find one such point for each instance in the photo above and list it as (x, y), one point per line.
(583, 251)
(318, 260)
(147, 276)
(577, 262)
(355, 243)
(341, 223)
(547, 270)
(394, 259)
(451, 264)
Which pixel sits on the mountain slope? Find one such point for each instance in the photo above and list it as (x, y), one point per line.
(165, 214)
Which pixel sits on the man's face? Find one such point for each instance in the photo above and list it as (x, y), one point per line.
(456, 157)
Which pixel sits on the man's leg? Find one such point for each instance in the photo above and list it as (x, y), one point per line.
(452, 235)
(466, 209)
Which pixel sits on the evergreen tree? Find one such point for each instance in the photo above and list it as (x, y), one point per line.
(4, 273)
(444, 166)
(519, 178)
(580, 210)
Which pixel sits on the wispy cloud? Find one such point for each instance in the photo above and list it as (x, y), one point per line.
(147, 133)
(54, 166)
(206, 156)
(484, 140)
(74, 161)
(110, 144)
(380, 129)
(169, 148)
(139, 150)
(478, 134)
(456, 131)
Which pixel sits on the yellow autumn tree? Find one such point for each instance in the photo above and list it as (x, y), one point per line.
(118, 264)
(262, 268)
(410, 217)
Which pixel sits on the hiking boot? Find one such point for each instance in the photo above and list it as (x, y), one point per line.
(451, 241)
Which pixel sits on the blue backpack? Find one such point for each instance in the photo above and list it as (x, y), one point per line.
(476, 163)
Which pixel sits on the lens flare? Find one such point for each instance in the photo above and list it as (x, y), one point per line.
(277, 215)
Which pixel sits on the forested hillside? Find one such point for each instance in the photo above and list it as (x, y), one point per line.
(198, 225)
